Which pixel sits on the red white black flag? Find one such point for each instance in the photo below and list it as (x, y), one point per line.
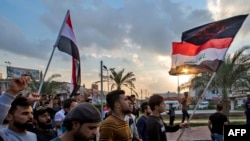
(66, 42)
(204, 48)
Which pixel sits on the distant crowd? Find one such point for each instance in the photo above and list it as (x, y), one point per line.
(32, 118)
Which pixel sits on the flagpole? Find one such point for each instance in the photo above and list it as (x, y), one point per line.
(56, 44)
(196, 106)
(41, 84)
(101, 89)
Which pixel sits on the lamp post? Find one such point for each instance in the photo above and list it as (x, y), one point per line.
(107, 76)
(8, 63)
(178, 87)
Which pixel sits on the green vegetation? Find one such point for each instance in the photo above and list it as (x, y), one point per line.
(232, 75)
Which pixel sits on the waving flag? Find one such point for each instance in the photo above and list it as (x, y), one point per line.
(204, 48)
(66, 42)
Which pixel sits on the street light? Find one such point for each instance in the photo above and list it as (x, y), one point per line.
(107, 69)
(107, 76)
(8, 63)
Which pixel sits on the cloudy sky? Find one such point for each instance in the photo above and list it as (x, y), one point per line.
(131, 34)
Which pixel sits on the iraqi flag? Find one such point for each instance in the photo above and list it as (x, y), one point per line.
(204, 48)
(66, 42)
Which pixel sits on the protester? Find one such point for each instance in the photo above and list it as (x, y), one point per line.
(171, 113)
(216, 123)
(43, 124)
(142, 121)
(247, 110)
(184, 102)
(136, 109)
(114, 127)
(130, 119)
(68, 104)
(156, 128)
(18, 111)
(81, 123)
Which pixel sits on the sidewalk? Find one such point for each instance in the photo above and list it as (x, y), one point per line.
(200, 133)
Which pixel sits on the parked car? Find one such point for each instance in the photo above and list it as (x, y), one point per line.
(203, 105)
(174, 102)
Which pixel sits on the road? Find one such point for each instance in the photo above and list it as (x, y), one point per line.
(179, 112)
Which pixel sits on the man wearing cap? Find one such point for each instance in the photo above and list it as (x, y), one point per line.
(81, 123)
(43, 125)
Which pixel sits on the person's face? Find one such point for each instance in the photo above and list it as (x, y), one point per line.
(148, 110)
(124, 104)
(161, 107)
(131, 108)
(72, 105)
(55, 101)
(22, 118)
(44, 121)
(86, 131)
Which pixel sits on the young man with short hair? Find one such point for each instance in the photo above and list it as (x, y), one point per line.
(156, 128)
(114, 127)
(142, 121)
(216, 123)
(18, 110)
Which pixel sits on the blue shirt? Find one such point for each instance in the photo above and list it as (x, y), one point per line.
(142, 128)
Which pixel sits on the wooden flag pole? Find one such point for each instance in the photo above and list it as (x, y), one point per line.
(196, 106)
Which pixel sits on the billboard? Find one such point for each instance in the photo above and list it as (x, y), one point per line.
(17, 72)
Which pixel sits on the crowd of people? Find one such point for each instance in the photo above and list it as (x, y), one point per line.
(77, 119)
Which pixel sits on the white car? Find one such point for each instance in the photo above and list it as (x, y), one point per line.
(203, 105)
(174, 102)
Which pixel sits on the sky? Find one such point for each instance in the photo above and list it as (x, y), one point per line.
(136, 35)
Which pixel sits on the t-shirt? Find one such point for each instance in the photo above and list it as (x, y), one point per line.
(56, 139)
(217, 120)
(142, 128)
(156, 129)
(9, 135)
(44, 135)
(59, 116)
(114, 129)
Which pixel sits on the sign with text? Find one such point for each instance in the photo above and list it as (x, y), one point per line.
(236, 132)
(17, 72)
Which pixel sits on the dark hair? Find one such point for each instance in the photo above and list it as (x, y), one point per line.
(113, 96)
(144, 106)
(67, 102)
(19, 101)
(133, 95)
(155, 100)
(219, 107)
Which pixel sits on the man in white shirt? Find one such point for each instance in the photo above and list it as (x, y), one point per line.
(68, 104)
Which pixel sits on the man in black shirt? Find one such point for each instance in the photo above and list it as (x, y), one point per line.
(156, 128)
(216, 122)
(43, 124)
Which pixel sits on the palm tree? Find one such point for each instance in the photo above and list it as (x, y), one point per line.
(49, 86)
(118, 79)
(232, 74)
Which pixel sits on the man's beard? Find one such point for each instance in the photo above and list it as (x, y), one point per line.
(79, 137)
(23, 126)
(124, 111)
(148, 113)
(45, 126)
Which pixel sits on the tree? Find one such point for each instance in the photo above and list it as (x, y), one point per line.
(232, 74)
(118, 80)
(49, 86)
